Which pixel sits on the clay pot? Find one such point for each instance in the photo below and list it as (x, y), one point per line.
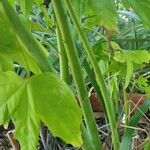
(96, 106)
(136, 101)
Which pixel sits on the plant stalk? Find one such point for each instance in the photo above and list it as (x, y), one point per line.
(64, 67)
(91, 76)
(126, 107)
(77, 73)
(99, 77)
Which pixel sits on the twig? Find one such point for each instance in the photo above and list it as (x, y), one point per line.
(13, 141)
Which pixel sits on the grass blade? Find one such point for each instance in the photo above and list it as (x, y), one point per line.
(127, 138)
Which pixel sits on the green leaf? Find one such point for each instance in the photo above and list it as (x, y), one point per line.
(99, 52)
(79, 8)
(130, 57)
(38, 2)
(26, 6)
(147, 145)
(140, 56)
(147, 90)
(12, 2)
(103, 12)
(142, 82)
(129, 73)
(115, 46)
(141, 7)
(137, 56)
(42, 97)
(116, 67)
(5, 63)
(119, 56)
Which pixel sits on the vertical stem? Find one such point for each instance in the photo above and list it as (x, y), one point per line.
(135, 36)
(86, 138)
(91, 76)
(64, 68)
(99, 77)
(126, 106)
(77, 73)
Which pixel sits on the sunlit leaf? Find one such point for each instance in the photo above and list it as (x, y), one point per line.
(5, 63)
(140, 56)
(43, 97)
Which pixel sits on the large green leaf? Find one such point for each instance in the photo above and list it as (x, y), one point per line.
(103, 12)
(42, 97)
(5, 63)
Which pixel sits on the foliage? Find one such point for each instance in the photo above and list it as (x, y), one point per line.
(101, 42)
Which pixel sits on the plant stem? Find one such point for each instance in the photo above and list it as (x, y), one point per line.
(77, 73)
(86, 138)
(99, 77)
(91, 76)
(32, 45)
(64, 68)
(13, 141)
(126, 106)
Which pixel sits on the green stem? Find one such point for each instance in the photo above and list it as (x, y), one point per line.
(33, 46)
(99, 77)
(86, 138)
(64, 68)
(77, 73)
(126, 107)
(91, 76)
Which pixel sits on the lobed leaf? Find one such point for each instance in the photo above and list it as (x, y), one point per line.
(42, 97)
